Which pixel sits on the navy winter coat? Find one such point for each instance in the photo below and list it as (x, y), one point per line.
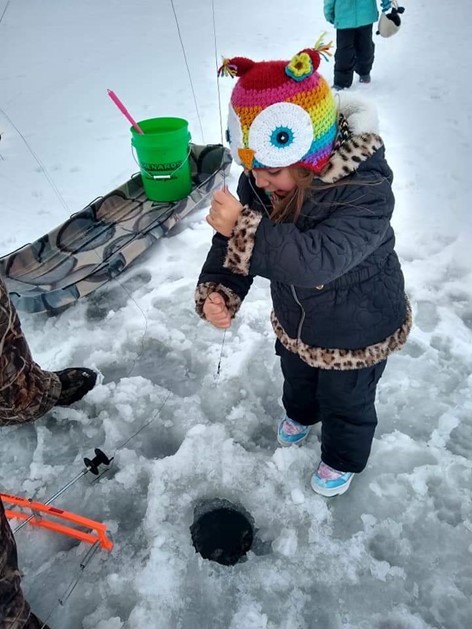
(336, 282)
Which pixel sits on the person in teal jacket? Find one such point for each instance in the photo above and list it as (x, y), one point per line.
(353, 20)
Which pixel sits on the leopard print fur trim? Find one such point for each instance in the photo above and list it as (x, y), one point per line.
(241, 243)
(345, 359)
(346, 159)
(233, 302)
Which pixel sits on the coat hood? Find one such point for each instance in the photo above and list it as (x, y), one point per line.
(357, 139)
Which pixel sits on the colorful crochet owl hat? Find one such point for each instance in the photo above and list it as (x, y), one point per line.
(282, 113)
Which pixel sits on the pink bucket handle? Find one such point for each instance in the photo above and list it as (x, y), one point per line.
(124, 111)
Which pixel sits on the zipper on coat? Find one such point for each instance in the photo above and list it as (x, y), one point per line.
(302, 318)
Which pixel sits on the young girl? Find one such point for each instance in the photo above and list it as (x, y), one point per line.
(353, 20)
(313, 216)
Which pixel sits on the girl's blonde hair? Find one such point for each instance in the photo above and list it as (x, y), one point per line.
(291, 205)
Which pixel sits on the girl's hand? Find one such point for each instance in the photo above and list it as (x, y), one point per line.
(216, 312)
(224, 212)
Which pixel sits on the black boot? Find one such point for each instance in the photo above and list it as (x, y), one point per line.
(76, 382)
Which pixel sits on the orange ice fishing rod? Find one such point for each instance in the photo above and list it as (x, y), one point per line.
(46, 516)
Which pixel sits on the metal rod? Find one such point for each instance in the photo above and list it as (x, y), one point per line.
(61, 491)
(83, 564)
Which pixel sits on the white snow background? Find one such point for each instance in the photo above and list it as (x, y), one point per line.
(395, 552)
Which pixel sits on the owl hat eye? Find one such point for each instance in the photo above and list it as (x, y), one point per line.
(281, 113)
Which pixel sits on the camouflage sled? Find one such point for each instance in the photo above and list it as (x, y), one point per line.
(99, 242)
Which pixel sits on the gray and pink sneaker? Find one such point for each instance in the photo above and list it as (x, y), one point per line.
(330, 482)
(290, 432)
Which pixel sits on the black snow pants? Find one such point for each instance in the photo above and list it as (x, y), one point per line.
(354, 53)
(343, 401)
(15, 612)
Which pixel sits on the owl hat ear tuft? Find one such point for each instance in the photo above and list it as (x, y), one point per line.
(236, 66)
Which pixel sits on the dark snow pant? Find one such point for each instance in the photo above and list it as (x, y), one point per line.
(15, 612)
(26, 391)
(354, 53)
(343, 401)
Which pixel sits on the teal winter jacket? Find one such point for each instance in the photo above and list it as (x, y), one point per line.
(353, 13)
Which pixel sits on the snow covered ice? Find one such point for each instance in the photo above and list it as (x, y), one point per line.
(395, 552)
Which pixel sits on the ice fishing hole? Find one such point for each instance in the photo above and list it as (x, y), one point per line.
(222, 531)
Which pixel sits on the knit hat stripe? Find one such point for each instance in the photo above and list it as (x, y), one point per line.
(320, 123)
(321, 147)
(265, 97)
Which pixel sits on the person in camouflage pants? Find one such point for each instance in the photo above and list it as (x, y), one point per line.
(26, 393)
(15, 612)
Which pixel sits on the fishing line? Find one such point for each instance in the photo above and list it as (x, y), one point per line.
(70, 483)
(72, 585)
(259, 197)
(39, 162)
(64, 204)
(145, 425)
(51, 182)
(4, 11)
(90, 553)
(218, 369)
(93, 549)
(222, 138)
(188, 70)
(215, 46)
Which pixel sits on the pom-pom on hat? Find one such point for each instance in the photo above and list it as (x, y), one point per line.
(282, 113)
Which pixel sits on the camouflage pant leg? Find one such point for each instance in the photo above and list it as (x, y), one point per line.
(33, 622)
(26, 391)
(14, 610)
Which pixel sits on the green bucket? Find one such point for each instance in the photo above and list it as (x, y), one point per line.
(163, 155)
